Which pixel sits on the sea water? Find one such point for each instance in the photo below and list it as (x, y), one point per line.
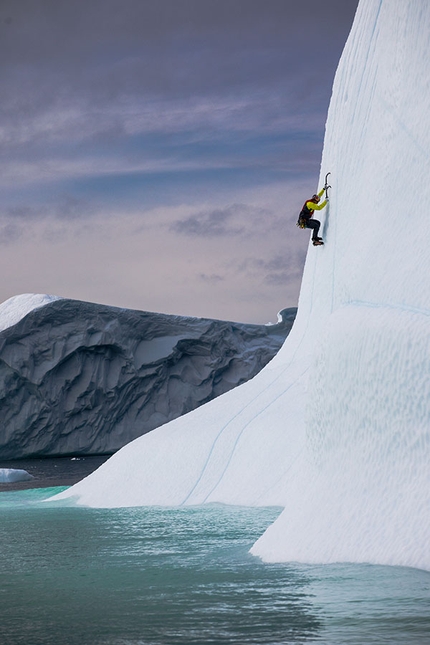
(72, 575)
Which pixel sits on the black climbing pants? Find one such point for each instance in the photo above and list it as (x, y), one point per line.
(315, 225)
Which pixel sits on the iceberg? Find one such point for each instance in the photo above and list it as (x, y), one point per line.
(82, 378)
(12, 475)
(336, 428)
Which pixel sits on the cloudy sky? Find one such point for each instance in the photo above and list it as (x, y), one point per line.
(154, 153)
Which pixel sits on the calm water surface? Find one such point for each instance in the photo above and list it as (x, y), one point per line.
(135, 576)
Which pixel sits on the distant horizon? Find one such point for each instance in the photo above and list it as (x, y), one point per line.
(155, 155)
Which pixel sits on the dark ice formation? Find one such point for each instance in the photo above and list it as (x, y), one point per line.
(79, 378)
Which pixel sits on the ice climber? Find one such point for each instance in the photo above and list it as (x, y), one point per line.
(306, 219)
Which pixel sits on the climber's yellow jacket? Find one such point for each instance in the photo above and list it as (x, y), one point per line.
(312, 206)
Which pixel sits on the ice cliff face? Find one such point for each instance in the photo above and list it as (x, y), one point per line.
(337, 427)
(81, 378)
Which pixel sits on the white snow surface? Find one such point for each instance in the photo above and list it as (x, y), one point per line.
(16, 308)
(337, 427)
(10, 475)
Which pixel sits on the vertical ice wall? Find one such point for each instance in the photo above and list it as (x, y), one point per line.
(363, 491)
(336, 427)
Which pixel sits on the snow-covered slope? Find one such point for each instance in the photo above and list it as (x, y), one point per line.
(337, 427)
(17, 307)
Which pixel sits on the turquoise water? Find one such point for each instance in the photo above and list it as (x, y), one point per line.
(136, 576)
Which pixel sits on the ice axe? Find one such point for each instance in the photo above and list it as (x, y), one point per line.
(326, 186)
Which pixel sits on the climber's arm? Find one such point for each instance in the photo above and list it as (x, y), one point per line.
(316, 207)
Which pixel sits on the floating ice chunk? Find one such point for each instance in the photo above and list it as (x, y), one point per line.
(11, 475)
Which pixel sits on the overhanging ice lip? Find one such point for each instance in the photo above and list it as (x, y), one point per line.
(336, 427)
